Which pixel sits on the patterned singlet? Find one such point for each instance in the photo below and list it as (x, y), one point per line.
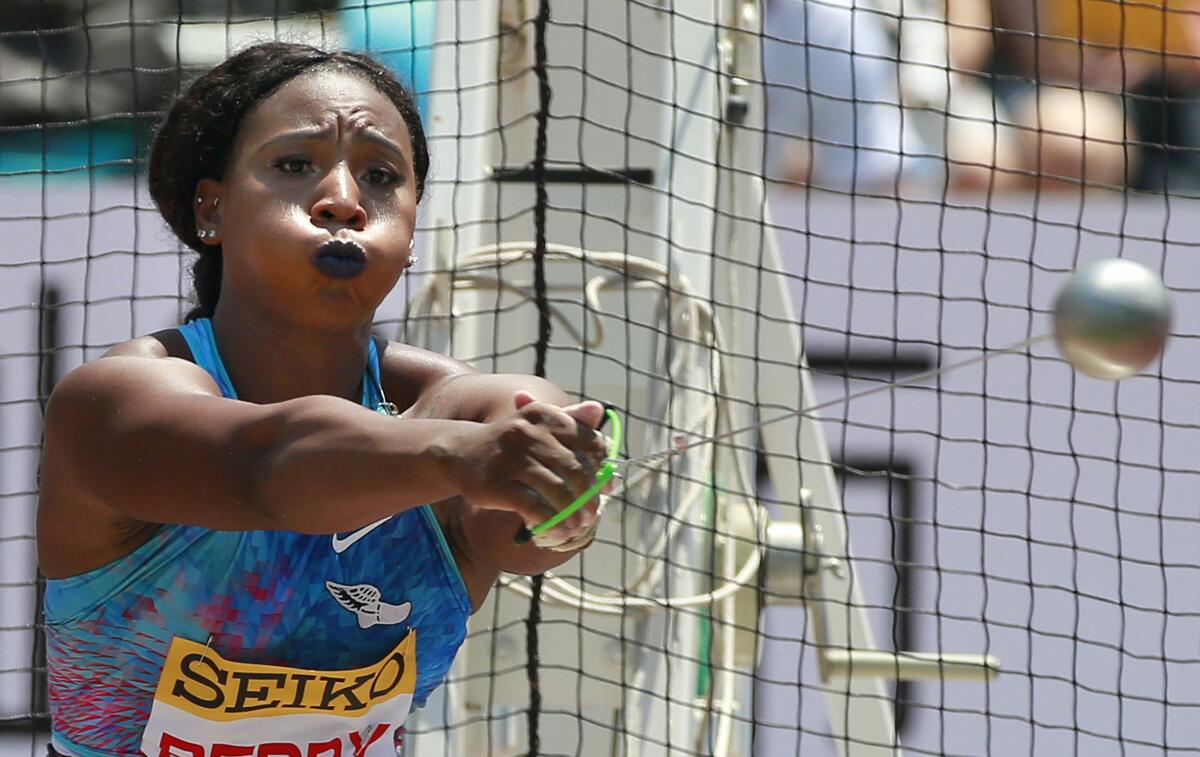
(204, 642)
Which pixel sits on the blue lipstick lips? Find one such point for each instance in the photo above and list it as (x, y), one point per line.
(340, 259)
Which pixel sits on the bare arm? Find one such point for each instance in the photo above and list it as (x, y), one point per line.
(133, 441)
(154, 440)
(485, 537)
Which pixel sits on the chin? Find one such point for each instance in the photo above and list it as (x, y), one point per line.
(324, 310)
(340, 314)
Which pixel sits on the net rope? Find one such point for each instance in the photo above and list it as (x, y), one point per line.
(932, 173)
(543, 344)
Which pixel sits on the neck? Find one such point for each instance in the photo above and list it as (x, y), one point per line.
(270, 361)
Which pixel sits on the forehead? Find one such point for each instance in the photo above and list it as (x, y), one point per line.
(327, 97)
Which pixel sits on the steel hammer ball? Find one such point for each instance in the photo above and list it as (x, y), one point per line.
(1112, 317)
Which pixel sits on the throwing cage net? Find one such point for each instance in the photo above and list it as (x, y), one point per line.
(713, 215)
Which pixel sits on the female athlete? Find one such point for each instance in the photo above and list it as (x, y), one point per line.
(245, 554)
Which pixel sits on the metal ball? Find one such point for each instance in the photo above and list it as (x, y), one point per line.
(1112, 317)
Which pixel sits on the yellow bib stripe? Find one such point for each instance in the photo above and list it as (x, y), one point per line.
(198, 680)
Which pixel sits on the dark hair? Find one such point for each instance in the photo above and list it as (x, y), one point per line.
(195, 138)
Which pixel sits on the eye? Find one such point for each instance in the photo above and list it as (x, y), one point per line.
(382, 177)
(293, 164)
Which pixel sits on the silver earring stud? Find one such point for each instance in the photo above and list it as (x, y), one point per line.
(207, 233)
(412, 261)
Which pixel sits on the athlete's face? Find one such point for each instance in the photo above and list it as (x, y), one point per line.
(318, 202)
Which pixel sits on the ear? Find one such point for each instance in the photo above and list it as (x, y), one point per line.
(208, 210)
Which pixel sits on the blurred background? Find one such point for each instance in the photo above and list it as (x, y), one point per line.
(1004, 95)
(872, 96)
(83, 82)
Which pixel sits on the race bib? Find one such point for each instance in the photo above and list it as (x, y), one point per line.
(207, 706)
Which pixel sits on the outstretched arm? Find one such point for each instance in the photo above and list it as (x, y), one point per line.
(134, 441)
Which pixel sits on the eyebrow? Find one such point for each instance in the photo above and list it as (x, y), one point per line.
(369, 134)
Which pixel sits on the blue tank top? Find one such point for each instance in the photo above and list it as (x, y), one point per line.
(272, 598)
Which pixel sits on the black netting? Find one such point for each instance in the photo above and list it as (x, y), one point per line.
(656, 203)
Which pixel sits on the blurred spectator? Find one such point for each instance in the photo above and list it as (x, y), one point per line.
(984, 94)
(1118, 83)
(944, 52)
(880, 95)
(833, 105)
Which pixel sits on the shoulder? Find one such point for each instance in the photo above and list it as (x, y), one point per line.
(122, 374)
(427, 384)
(160, 344)
(411, 373)
(419, 364)
(88, 408)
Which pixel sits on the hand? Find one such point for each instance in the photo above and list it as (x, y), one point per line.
(535, 462)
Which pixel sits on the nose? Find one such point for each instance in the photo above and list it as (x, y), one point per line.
(338, 202)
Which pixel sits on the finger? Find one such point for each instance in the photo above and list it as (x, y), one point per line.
(590, 413)
(566, 430)
(560, 540)
(548, 542)
(577, 529)
(582, 519)
(582, 436)
(588, 417)
(527, 502)
(541, 485)
(522, 398)
(548, 486)
(576, 470)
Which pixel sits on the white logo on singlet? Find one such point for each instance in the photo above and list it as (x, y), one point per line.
(364, 601)
(340, 545)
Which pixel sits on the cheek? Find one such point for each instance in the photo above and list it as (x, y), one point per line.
(253, 204)
(400, 208)
(268, 198)
(267, 219)
(393, 223)
(267, 231)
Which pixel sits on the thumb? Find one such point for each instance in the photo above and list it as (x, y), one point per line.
(589, 413)
(522, 398)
